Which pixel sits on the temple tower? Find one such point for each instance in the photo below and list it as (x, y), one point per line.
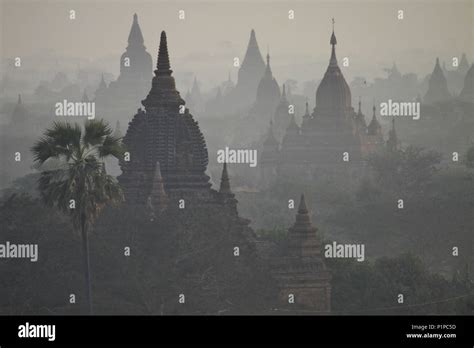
(268, 94)
(167, 133)
(282, 116)
(437, 87)
(251, 71)
(374, 139)
(302, 273)
(20, 114)
(135, 62)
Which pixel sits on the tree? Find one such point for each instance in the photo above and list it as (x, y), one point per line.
(80, 186)
(405, 171)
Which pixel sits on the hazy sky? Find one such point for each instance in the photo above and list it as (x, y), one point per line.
(368, 32)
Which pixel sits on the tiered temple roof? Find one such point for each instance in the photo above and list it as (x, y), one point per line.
(437, 86)
(333, 96)
(302, 272)
(251, 71)
(167, 133)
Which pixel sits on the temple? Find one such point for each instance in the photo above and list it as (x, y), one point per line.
(250, 73)
(117, 99)
(20, 113)
(303, 279)
(437, 87)
(267, 97)
(332, 132)
(164, 132)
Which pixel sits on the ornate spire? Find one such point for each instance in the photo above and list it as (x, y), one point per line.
(163, 62)
(437, 86)
(268, 69)
(135, 38)
(303, 222)
(270, 140)
(225, 183)
(333, 42)
(163, 91)
(302, 209)
(374, 126)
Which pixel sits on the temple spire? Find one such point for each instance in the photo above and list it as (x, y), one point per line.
(303, 222)
(333, 42)
(135, 38)
(163, 63)
(163, 91)
(225, 183)
(302, 208)
(270, 140)
(374, 126)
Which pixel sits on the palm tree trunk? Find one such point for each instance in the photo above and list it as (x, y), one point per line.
(85, 257)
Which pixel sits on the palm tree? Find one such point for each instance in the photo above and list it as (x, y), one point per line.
(79, 185)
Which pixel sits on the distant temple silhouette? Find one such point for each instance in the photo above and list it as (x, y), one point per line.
(242, 96)
(250, 73)
(316, 148)
(120, 97)
(267, 95)
(437, 87)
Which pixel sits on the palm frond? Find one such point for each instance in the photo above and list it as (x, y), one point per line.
(111, 146)
(64, 134)
(95, 131)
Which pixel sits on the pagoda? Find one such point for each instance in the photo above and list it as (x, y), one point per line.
(303, 278)
(437, 87)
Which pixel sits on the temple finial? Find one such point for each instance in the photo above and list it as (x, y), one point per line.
(225, 183)
(163, 65)
(333, 42)
(302, 209)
